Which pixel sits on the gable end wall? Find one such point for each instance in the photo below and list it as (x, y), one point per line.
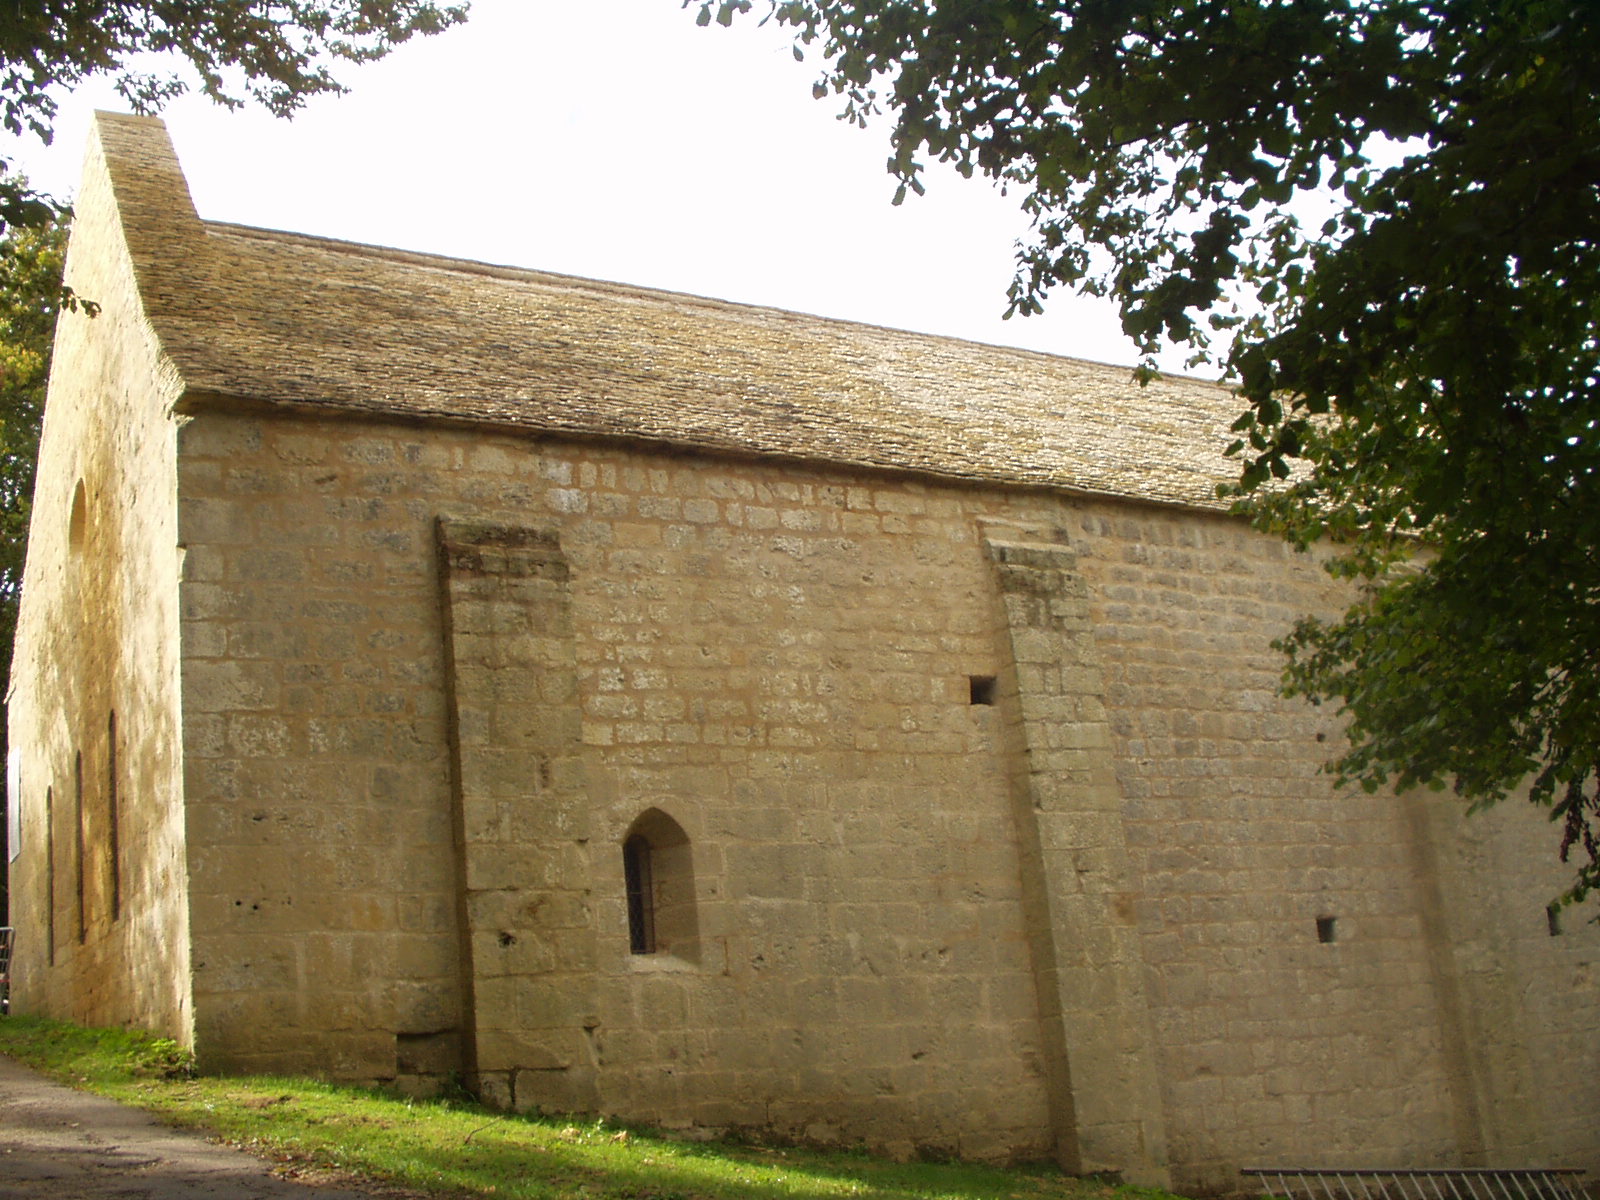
(99, 887)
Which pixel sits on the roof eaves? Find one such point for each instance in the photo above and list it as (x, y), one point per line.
(196, 401)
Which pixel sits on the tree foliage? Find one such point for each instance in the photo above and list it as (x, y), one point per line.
(30, 298)
(279, 54)
(1419, 364)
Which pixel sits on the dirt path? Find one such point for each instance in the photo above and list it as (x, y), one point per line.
(61, 1144)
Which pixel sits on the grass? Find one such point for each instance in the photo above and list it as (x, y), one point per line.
(457, 1148)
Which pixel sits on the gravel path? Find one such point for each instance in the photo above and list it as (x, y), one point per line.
(61, 1144)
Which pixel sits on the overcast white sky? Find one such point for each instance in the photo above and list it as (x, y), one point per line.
(614, 139)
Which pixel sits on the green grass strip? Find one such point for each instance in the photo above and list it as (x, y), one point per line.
(454, 1147)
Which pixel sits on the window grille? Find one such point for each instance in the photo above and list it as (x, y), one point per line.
(641, 895)
(7, 940)
(1467, 1183)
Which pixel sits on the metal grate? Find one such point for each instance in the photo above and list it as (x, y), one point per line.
(7, 936)
(1467, 1183)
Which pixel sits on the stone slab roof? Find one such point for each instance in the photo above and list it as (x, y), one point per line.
(277, 318)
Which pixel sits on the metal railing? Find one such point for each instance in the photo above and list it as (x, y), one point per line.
(1465, 1183)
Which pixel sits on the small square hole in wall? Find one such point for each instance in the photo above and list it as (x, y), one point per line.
(981, 689)
(1327, 929)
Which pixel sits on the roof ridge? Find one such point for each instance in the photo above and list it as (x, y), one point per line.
(260, 316)
(512, 273)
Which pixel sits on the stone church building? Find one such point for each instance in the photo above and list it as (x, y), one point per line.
(723, 718)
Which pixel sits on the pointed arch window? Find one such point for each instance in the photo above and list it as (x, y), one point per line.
(658, 875)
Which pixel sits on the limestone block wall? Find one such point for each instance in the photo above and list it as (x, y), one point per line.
(322, 892)
(1077, 890)
(520, 810)
(1527, 982)
(435, 678)
(746, 662)
(1332, 977)
(98, 884)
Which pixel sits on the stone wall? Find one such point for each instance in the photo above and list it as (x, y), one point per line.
(1000, 839)
(1427, 1028)
(1274, 1043)
(98, 887)
(1523, 984)
(744, 660)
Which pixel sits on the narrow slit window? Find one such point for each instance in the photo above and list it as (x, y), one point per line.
(1552, 919)
(77, 803)
(50, 875)
(113, 831)
(77, 519)
(641, 895)
(13, 803)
